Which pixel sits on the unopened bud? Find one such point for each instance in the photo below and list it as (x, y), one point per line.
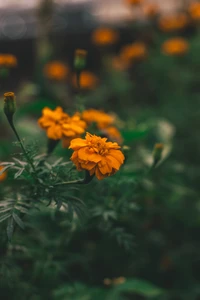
(9, 104)
(80, 59)
(157, 153)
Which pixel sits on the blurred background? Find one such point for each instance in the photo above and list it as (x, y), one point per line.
(138, 240)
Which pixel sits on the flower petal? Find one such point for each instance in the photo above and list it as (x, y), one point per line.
(84, 154)
(77, 143)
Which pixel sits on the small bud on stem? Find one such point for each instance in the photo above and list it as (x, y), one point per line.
(9, 105)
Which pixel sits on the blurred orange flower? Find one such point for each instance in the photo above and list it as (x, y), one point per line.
(175, 46)
(174, 22)
(113, 134)
(194, 10)
(133, 52)
(3, 175)
(99, 117)
(133, 2)
(88, 80)
(95, 154)
(56, 70)
(8, 60)
(59, 125)
(104, 36)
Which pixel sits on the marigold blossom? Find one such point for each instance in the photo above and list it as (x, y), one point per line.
(59, 125)
(194, 10)
(88, 80)
(3, 175)
(104, 36)
(173, 22)
(133, 52)
(99, 117)
(56, 70)
(175, 46)
(8, 60)
(73, 128)
(96, 155)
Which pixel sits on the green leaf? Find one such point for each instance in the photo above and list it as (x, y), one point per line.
(19, 172)
(10, 228)
(19, 221)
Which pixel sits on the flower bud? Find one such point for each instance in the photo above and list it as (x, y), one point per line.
(80, 59)
(9, 104)
(157, 153)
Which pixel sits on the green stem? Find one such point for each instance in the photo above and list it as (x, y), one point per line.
(10, 120)
(85, 180)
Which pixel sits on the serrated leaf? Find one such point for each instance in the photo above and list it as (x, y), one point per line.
(20, 162)
(5, 163)
(4, 169)
(4, 217)
(18, 220)
(18, 173)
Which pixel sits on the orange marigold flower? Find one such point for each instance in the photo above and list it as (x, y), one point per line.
(175, 46)
(172, 23)
(56, 70)
(113, 134)
(194, 10)
(134, 2)
(52, 121)
(105, 36)
(59, 125)
(133, 52)
(88, 80)
(3, 175)
(99, 117)
(8, 60)
(96, 155)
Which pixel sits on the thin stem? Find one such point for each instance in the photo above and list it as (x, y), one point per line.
(85, 180)
(10, 120)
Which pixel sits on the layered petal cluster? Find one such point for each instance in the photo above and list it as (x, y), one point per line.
(95, 154)
(99, 117)
(73, 128)
(59, 125)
